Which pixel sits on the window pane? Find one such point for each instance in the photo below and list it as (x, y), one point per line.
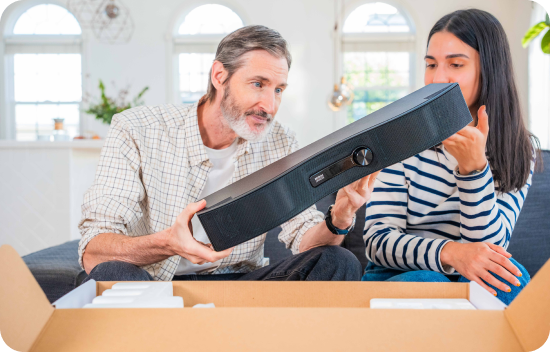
(210, 19)
(47, 19)
(375, 17)
(372, 69)
(377, 78)
(47, 77)
(194, 70)
(37, 119)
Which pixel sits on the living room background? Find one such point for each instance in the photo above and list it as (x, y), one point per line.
(161, 54)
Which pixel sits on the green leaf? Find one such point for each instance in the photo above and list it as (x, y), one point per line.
(532, 33)
(547, 20)
(545, 43)
(107, 107)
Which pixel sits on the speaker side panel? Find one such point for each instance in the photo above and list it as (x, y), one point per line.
(284, 198)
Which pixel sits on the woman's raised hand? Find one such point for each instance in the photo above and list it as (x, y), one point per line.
(468, 145)
(479, 261)
(350, 198)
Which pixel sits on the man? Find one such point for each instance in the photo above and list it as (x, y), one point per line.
(159, 162)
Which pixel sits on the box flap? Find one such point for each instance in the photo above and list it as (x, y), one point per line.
(24, 306)
(529, 313)
(277, 329)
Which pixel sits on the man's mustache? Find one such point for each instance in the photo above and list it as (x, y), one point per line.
(260, 113)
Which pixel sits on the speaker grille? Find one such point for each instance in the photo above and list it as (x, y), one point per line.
(285, 197)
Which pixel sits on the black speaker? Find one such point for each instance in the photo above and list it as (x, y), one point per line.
(267, 198)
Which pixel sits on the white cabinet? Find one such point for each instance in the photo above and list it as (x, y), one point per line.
(42, 185)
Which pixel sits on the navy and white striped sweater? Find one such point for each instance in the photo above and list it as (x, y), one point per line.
(420, 204)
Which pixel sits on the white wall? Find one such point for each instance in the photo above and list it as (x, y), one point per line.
(307, 26)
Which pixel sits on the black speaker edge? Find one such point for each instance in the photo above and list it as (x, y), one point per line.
(211, 228)
(439, 93)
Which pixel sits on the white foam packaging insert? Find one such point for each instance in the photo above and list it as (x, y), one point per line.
(410, 303)
(138, 295)
(122, 295)
(125, 295)
(479, 299)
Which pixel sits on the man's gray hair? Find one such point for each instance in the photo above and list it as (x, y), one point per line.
(243, 40)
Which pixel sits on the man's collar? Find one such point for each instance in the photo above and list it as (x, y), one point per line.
(244, 147)
(196, 149)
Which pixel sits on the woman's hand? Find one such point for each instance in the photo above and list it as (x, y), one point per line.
(350, 198)
(468, 145)
(479, 261)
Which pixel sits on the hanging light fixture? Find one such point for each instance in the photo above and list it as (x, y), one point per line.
(109, 20)
(336, 99)
(342, 94)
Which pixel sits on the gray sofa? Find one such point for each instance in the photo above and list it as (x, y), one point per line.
(57, 271)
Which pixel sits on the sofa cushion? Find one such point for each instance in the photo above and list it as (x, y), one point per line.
(56, 269)
(530, 243)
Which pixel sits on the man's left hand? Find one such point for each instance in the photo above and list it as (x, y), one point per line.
(350, 198)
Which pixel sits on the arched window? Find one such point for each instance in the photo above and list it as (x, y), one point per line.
(195, 45)
(376, 17)
(210, 19)
(44, 72)
(47, 19)
(378, 54)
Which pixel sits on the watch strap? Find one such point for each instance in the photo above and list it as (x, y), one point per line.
(334, 229)
(475, 172)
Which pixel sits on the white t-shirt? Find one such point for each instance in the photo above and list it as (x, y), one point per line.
(222, 170)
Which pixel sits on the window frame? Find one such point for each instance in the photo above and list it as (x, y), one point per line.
(377, 42)
(191, 43)
(11, 44)
(538, 89)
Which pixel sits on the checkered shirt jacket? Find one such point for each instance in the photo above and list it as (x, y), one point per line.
(153, 164)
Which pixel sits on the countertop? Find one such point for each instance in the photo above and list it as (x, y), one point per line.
(75, 144)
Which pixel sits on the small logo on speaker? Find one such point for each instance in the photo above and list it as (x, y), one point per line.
(320, 178)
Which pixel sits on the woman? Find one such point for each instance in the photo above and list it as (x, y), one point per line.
(447, 214)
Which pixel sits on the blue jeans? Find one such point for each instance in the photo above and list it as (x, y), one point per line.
(328, 263)
(379, 273)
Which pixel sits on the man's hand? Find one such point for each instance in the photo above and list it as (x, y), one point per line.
(184, 244)
(468, 145)
(350, 198)
(479, 262)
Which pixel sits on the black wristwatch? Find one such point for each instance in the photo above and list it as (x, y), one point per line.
(334, 229)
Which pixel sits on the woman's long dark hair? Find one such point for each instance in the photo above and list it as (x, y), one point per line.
(509, 145)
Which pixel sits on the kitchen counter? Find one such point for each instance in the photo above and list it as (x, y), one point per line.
(42, 186)
(75, 144)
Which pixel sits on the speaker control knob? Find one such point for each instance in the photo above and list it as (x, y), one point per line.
(362, 156)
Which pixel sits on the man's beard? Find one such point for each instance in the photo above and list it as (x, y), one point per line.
(235, 118)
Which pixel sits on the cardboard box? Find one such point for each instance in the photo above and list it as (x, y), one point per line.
(274, 316)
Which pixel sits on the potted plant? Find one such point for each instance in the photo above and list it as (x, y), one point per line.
(107, 107)
(534, 31)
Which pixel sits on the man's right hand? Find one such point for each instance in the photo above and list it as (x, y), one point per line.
(184, 244)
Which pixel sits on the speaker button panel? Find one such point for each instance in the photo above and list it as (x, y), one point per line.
(360, 157)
